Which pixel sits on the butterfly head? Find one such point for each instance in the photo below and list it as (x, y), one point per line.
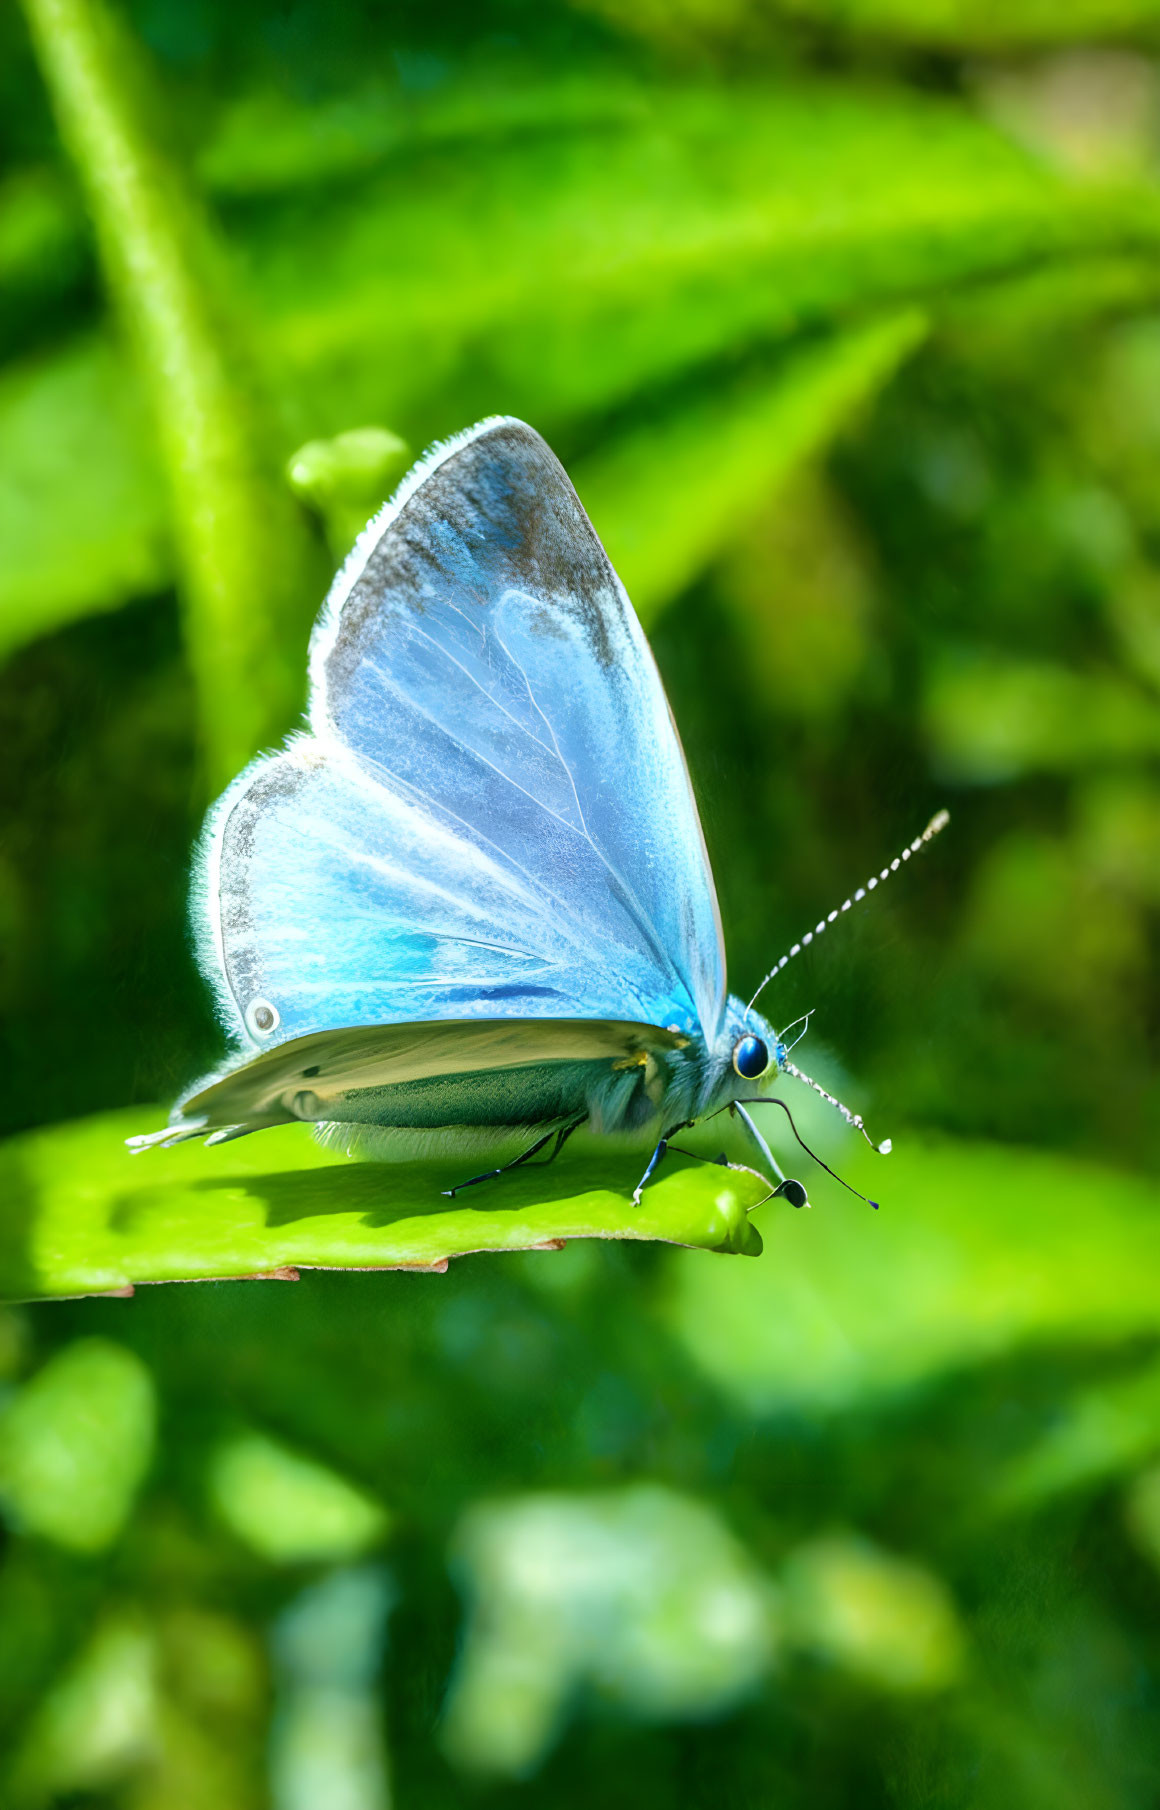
(745, 1062)
(746, 1056)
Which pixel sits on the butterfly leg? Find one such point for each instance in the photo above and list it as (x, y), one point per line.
(755, 1135)
(722, 1162)
(787, 1188)
(657, 1158)
(561, 1136)
(565, 1133)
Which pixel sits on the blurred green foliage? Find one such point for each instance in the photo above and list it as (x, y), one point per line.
(287, 1508)
(75, 1444)
(846, 320)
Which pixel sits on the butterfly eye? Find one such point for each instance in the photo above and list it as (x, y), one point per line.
(750, 1058)
(261, 1017)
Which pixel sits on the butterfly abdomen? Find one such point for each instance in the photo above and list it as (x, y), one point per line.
(614, 1097)
(498, 1097)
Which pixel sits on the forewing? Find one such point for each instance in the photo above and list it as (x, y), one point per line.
(493, 814)
(343, 901)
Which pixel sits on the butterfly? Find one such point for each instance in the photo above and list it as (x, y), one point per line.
(473, 900)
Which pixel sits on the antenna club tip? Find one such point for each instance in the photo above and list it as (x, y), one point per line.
(874, 1204)
(885, 1147)
(938, 822)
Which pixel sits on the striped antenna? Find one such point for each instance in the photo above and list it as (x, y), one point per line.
(938, 822)
(853, 1119)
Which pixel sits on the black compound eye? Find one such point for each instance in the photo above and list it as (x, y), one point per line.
(750, 1058)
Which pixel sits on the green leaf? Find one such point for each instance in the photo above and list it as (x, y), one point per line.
(289, 1508)
(271, 141)
(1098, 1434)
(981, 24)
(976, 1251)
(1011, 318)
(561, 273)
(75, 1443)
(666, 496)
(83, 1216)
(943, 24)
(990, 718)
(83, 518)
(562, 277)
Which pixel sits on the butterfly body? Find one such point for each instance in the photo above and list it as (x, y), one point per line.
(474, 896)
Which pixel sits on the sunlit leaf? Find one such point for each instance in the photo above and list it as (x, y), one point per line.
(84, 1216)
(947, 24)
(556, 276)
(563, 279)
(82, 508)
(666, 496)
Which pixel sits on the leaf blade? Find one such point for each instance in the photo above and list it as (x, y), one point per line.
(88, 1217)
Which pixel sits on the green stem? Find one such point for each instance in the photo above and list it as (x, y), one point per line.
(246, 560)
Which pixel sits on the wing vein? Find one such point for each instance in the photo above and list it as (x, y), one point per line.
(543, 716)
(484, 692)
(625, 894)
(540, 893)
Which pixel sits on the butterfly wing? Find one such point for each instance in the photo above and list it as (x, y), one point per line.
(491, 816)
(522, 1071)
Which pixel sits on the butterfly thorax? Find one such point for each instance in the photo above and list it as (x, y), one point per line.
(688, 1083)
(747, 1038)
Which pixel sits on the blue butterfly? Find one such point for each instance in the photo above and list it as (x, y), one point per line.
(474, 896)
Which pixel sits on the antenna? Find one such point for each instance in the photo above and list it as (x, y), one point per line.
(804, 1021)
(772, 1100)
(938, 822)
(853, 1119)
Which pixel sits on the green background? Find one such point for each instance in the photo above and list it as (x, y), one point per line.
(844, 316)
